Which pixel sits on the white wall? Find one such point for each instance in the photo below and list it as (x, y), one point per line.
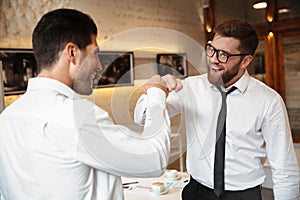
(174, 26)
(18, 17)
(143, 26)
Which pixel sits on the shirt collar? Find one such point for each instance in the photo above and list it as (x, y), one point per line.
(241, 84)
(37, 83)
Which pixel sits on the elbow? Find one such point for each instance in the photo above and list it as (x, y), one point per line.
(158, 172)
(160, 166)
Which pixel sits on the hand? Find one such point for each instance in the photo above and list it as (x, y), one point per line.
(156, 81)
(172, 83)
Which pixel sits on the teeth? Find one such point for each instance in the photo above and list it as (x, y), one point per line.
(215, 69)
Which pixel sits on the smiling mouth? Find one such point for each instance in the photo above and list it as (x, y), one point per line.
(215, 69)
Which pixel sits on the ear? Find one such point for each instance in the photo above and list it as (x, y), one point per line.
(71, 49)
(246, 61)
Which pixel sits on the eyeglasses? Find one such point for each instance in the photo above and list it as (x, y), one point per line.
(222, 56)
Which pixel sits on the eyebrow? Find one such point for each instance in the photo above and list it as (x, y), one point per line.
(220, 49)
(229, 52)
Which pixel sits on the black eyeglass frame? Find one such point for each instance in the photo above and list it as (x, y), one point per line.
(217, 51)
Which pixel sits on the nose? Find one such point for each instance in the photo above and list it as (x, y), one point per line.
(214, 58)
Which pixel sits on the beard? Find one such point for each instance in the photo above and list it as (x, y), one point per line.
(88, 74)
(221, 79)
(83, 83)
(83, 86)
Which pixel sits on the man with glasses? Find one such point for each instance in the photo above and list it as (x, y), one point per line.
(221, 55)
(233, 122)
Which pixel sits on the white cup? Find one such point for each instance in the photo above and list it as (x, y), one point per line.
(171, 173)
(158, 187)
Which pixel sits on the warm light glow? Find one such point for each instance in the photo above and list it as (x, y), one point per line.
(270, 35)
(269, 18)
(283, 10)
(208, 28)
(260, 5)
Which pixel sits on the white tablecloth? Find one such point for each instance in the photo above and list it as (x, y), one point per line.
(141, 190)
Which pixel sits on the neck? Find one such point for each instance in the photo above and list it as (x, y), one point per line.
(58, 74)
(235, 78)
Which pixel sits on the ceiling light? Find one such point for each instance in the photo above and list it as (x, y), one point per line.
(260, 5)
(283, 10)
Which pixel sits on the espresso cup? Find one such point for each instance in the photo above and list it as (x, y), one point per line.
(158, 187)
(171, 173)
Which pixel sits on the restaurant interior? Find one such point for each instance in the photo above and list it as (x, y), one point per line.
(136, 37)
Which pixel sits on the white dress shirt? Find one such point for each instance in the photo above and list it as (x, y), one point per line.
(256, 126)
(56, 145)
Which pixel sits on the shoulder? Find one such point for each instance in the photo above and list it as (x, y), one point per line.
(258, 85)
(85, 110)
(263, 93)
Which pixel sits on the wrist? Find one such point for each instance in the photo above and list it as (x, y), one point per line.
(160, 86)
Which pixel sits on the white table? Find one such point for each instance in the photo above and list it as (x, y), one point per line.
(141, 190)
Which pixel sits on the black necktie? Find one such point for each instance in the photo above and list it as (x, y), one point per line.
(220, 145)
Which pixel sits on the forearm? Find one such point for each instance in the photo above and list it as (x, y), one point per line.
(120, 151)
(173, 108)
(287, 191)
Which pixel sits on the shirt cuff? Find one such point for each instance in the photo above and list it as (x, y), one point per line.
(147, 86)
(156, 96)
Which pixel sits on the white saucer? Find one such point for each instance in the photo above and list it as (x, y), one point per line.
(161, 193)
(174, 179)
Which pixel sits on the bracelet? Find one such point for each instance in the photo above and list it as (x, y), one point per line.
(150, 85)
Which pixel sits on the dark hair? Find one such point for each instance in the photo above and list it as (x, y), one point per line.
(57, 28)
(240, 30)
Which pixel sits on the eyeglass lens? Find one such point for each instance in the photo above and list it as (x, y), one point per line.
(221, 55)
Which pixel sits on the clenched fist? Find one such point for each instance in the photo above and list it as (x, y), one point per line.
(167, 83)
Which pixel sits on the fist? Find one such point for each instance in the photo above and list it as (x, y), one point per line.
(158, 82)
(172, 83)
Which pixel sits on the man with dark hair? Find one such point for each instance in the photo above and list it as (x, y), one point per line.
(233, 122)
(56, 145)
